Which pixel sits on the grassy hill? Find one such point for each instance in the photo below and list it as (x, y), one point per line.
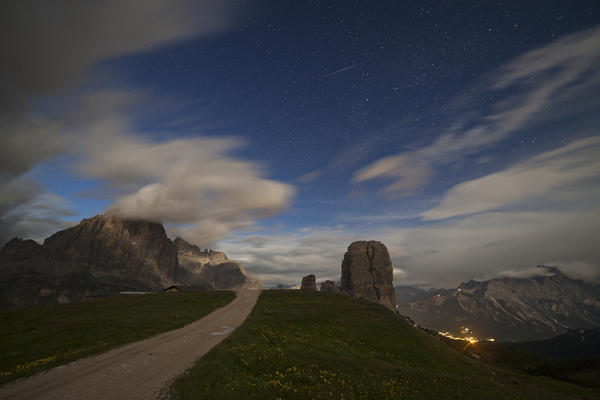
(299, 345)
(573, 344)
(39, 338)
(517, 357)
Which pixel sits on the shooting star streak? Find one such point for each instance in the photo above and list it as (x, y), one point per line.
(340, 70)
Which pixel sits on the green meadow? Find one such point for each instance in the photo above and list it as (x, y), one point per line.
(303, 345)
(38, 338)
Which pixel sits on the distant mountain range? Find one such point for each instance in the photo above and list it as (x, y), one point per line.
(104, 255)
(510, 309)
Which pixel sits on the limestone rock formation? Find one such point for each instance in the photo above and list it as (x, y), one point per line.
(309, 282)
(18, 249)
(138, 252)
(367, 273)
(193, 257)
(107, 254)
(100, 256)
(327, 287)
(208, 269)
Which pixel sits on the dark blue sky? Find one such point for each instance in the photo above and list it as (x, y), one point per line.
(373, 114)
(273, 81)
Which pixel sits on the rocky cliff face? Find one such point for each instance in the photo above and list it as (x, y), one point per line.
(367, 272)
(18, 249)
(193, 258)
(104, 255)
(208, 269)
(100, 256)
(512, 308)
(114, 248)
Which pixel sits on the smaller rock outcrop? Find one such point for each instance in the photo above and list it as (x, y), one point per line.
(192, 256)
(367, 272)
(327, 287)
(18, 249)
(209, 269)
(309, 282)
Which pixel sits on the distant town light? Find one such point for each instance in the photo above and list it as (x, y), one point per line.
(465, 331)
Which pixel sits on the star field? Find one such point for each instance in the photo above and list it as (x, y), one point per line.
(372, 114)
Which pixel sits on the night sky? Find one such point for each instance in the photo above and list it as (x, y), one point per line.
(463, 135)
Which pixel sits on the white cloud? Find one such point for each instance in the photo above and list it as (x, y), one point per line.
(192, 181)
(442, 253)
(578, 269)
(195, 184)
(545, 178)
(27, 211)
(399, 274)
(309, 176)
(525, 273)
(483, 245)
(285, 257)
(47, 55)
(50, 49)
(562, 77)
(49, 46)
(407, 173)
(542, 211)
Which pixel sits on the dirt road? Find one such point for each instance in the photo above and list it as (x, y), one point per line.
(138, 370)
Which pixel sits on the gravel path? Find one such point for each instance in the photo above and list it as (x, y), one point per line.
(137, 370)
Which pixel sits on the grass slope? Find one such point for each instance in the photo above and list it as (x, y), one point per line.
(39, 338)
(299, 345)
(584, 372)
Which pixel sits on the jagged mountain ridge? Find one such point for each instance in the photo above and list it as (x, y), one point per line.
(104, 255)
(513, 309)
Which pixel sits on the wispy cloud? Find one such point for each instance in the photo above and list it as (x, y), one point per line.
(543, 210)
(442, 254)
(195, 184)
(285, 257)
(542, 180)
(59, 56)
(27, 211)
(553, 77)
(309, 176)
(47, 47)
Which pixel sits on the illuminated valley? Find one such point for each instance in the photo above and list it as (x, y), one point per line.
(466, 335)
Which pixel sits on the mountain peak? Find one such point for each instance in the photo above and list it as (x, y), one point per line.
(18, 249)
(512, 308)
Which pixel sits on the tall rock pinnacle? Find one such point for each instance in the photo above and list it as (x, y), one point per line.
(367, 272)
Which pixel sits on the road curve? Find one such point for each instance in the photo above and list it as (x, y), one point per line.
(137, 370)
